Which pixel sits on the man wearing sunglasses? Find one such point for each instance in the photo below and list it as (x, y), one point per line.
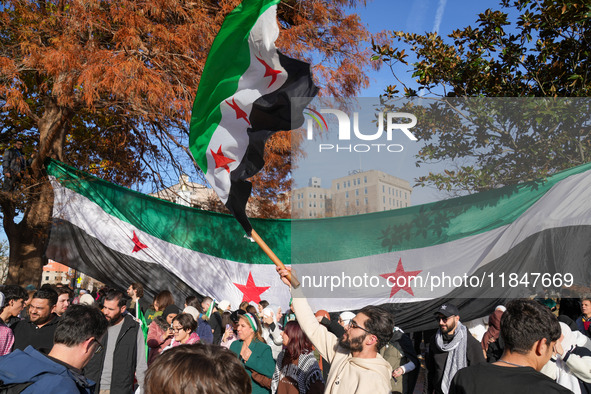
(76, 340)
(356, 365)
(450, 349)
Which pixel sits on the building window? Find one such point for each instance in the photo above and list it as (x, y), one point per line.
(47, 278)
(348, 183)
(365, 200)
(347, 204)
(366, 190)
(359, 181)
(354, 182)
(357, 202)
(384, 199)
(383, 189)
(356, 192)
(346, 194)
(338, 186)
(365, 179)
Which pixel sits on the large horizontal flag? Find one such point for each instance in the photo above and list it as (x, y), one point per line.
(119, 237)
(248, 91)
(511, 242)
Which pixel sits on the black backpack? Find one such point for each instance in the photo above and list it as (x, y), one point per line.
(13, 388)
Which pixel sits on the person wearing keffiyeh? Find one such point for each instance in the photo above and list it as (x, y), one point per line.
(451, 349)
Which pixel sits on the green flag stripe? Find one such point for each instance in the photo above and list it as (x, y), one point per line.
(419, 226)
(229, 58)
(211, 233)
(314, 240)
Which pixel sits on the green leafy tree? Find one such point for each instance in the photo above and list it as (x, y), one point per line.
(525, 49)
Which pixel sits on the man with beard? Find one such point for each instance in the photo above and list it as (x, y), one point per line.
(356, 365)
(124, 351)
(450, 349)
(38, 328)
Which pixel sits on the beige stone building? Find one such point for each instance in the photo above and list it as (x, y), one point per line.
(311, 201)
(189, 194)
(359, 192)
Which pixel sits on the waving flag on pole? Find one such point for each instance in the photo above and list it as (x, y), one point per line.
(244, 96)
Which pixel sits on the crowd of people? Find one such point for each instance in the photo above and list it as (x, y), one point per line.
(114, 341)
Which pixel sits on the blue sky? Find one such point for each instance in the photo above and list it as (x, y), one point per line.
(417, 16)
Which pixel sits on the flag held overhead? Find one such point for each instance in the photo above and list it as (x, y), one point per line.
(244, 97)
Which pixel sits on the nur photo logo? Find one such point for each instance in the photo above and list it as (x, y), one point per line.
(349, 130)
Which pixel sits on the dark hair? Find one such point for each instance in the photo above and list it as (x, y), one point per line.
(13, 292)
(164, 299)
(194, 302)
(186, 321)
(264, 303)
(161, 322)
(298, 343)
(64, 290)
(198, 368)
(252, 310)
(47, 293)
(380, 323)
(78, 323)
(226, 319)
(525, 322)
(139, 289)
(113, 294)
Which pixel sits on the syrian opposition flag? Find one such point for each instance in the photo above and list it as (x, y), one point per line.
(245, 95)
(140, 318)
(475, 251)
(119, 236)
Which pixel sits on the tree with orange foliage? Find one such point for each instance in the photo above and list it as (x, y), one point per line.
(108, 86)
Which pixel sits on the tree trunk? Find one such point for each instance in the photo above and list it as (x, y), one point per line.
(28, 239)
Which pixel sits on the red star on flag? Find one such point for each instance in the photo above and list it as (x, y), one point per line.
(240, 114)
(393, 278)
(250, 291)
(221, 160)
(137, 244)
(269, 72)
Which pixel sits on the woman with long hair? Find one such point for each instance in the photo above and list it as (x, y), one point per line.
(297, 370)
(252, 350)
(159, 333)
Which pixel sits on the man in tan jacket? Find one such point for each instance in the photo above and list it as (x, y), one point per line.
(356, 365)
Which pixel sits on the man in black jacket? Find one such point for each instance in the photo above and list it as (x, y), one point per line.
(450, 349)
(124, 353)
(37, 330)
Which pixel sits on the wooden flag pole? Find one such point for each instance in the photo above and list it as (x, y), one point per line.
(295, 283)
